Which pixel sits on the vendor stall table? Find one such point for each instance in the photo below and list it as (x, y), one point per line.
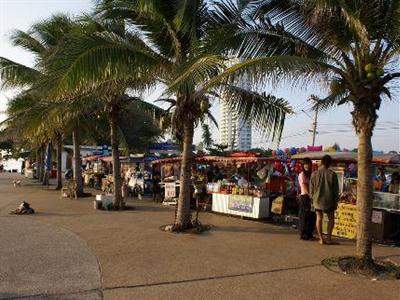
(241, 205)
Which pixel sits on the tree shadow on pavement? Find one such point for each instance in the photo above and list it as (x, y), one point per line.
(255, 230)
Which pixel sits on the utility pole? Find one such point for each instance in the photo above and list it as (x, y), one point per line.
(314, 124)
(314, 130)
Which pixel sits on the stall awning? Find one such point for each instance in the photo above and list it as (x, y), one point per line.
(380, 159)
(387, 159)
(213, 159)
(109, 158)
(91, 158)
(336, 156)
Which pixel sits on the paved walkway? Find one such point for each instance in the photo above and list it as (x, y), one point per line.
(236, 260)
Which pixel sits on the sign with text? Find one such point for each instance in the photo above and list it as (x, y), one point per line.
(377, 216)
(170, 190)
(346, 221)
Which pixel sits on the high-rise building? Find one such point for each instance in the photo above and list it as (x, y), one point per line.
(234, 131)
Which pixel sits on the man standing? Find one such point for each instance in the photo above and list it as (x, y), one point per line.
(324, 191)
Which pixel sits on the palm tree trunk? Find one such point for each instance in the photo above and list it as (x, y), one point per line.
(77, 164)
(59, 164)
(364, 197)
(364, 119)
(183, 216)
(42, 155)
(46, 172)
(118, 201)
(38, 164)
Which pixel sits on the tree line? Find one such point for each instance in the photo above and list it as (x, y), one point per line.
(199, 52)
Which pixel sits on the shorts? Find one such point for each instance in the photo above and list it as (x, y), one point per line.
(326, 211)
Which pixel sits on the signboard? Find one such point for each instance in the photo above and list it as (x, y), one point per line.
(47, 160)
(104, 150)
(340, 175)
(277, 205)
(346, 221)
(170, 190)
(241, 203)
(377, 216)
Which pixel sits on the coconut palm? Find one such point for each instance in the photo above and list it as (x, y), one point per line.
(182, 35)
(40, 41)
(75, 55)
(25, 119)
(352, 46)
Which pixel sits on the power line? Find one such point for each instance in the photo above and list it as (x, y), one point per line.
(349, 124)
(335, 131)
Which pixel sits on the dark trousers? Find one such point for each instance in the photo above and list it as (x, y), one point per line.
(306, 218)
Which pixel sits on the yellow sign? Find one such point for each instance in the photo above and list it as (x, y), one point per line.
(346, 221)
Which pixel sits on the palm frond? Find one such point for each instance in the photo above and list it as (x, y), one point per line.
(138, 104)
(332, 100)
(14, 74)
(197, 71)
(50, 31)
(211, 117)
(266, 112)
(275, 70)
(88, 61)
(26, 41)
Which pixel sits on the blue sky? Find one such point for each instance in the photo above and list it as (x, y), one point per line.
(335, 126)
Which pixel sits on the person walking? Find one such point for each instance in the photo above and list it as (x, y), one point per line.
(306, 215)
(324, 192)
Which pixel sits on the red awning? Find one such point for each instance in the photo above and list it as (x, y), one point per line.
(91, 158)
(379, 159)
(109, 158)
(211, 159)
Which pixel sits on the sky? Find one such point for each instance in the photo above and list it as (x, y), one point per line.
(333, 126)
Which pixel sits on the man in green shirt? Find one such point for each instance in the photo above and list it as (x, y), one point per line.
(324, 192)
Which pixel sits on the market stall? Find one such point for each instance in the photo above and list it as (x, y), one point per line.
(386, 205)
(94, 171)
(241, 205)
(240, 191)
(137, 172)
(168, 169)
(236, 184)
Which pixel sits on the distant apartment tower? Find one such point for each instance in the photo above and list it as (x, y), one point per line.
(234, 131)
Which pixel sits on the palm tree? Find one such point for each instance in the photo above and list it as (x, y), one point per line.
(171, 43)
(26, 120)
(184, 35)
(353, 46)
(71, 59)
(40, 41)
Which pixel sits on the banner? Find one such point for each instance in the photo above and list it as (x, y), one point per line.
(47, 160)
(241, 203)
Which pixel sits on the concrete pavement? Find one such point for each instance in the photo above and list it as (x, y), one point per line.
(236, 260)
